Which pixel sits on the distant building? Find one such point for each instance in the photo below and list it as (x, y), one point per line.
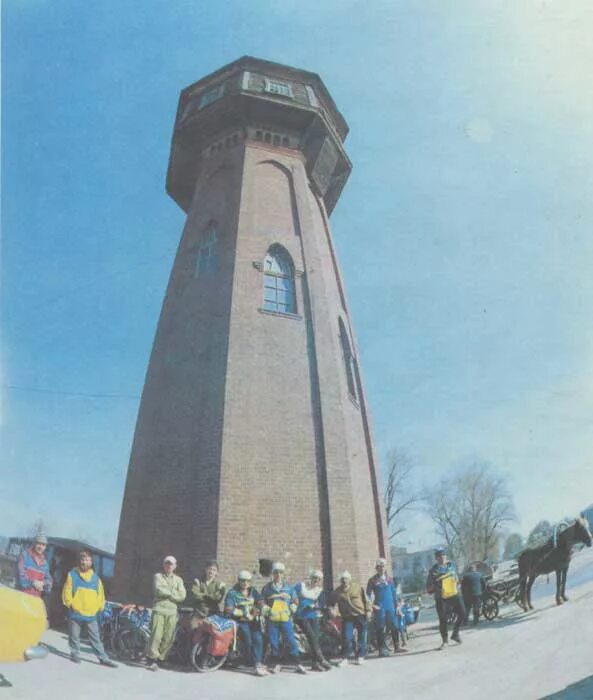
(411, 567)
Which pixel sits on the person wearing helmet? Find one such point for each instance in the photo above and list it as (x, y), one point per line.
(208, 594)
(33, 568)
(442, 581)
(355, 609)
(383, 594)
(278, 605)
(240, 604)
(312, 601)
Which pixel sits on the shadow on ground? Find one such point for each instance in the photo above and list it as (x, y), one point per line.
(4, 682)
(497, 623)
(582, 690)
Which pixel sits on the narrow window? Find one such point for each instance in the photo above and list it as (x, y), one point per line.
(207, 261)
(348, 360)
(279, 282)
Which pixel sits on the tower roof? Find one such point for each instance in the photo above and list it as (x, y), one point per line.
(252, 94)
(278, 70)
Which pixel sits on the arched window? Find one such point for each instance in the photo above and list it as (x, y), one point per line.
(279, 282)
(207, 261)
(348, 360)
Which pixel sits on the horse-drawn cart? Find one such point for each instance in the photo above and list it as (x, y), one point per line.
(501, 587)
(500, 592)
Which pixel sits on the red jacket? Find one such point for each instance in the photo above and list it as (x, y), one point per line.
(33, 567)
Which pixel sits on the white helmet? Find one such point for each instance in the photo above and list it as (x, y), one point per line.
(278, 566)
(244, 575)
(381, 562)
(345, 576)
(315, 573)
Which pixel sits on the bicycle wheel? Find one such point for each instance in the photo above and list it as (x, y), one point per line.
(204, 662)
(490, 608)
(331, 644)
(131, 644)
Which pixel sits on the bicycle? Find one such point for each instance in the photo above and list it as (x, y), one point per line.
(132, 637)
(211, 643)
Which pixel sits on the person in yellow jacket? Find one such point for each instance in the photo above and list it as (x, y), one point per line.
(84, 597)
(168, 591)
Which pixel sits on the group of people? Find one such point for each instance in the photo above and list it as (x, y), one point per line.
(282, 606)
(278, 603)
(83, 595)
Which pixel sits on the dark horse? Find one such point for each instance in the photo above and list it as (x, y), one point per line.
(554, 555)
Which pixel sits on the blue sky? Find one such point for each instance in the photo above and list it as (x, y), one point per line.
(464, 233)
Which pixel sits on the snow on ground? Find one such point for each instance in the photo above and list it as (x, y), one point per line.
(547, 653)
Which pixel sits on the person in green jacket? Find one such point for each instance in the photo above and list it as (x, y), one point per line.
(168, 591)
(208, 594)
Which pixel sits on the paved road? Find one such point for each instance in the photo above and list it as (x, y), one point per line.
(547, 653)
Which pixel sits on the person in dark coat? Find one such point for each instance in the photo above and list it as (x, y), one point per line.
(472, 587)
(442, 581)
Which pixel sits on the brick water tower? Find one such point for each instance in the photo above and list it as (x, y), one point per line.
(253, 439)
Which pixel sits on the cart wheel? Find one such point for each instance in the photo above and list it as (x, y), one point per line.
(490, 608)
(204, 662)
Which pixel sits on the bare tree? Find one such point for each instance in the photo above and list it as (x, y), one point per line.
(513, 545)
(540, 533)
(470, 510)
(400, 493)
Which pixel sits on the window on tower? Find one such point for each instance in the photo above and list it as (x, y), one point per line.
(211, 96)
(207, 261)
(279, 282)
(348, 360)
(278, 88)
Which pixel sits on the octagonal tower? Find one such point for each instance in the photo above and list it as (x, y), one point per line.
(253, 439)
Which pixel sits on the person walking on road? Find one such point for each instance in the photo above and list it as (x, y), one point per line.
(169, 591)
(472, 586)
(356, 610)
(383, 594)
(84, 597)
(442, 581)
(33, 570)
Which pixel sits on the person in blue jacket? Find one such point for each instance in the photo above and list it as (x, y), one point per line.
(240, 604)
(382, 593)
(312, 602)
(278, 605)
(442, 581)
